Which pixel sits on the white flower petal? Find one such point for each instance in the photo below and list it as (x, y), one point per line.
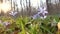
(6, 23)
(44, 8)
(45, 12)
(45, 16)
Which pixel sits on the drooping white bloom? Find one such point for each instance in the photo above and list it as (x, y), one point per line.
(6, 23)
(41, 13)
(35, 16)
(45, 7)
(45, 16)
(13, 13)
(44, 13)
(42, 10)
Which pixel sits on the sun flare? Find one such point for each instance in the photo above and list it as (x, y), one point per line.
(5, 6)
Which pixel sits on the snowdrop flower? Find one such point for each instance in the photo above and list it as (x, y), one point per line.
(6, 23)
(41, 13)
(44, 8)
(35, 16)
(45, 16)
(13, 13)
(45, 12)
(40, 10)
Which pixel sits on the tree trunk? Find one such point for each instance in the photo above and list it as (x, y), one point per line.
(29, 8)
(47, 5)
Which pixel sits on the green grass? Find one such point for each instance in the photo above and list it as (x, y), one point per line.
(36, 26)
